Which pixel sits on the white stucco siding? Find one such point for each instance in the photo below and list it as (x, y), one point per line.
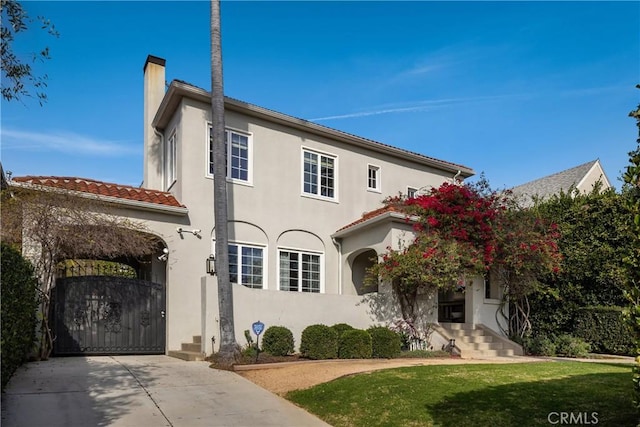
(293, 310)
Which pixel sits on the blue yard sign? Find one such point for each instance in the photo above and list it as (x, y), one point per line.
(258, 327)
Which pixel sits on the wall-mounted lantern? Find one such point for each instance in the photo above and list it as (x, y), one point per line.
(211, 265)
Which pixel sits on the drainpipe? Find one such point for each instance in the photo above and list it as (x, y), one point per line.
(162, 165)
(339, 246)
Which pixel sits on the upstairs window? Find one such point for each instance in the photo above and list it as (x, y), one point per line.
(411, 192)
(237, 155)
(319, 174)
(373, 178)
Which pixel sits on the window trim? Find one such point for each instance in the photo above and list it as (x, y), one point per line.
(228, 130)
(415, 190)
(378, 178)
(486, 282)
(265, 260)
(318, 196)
(301, 252)
(170, 171)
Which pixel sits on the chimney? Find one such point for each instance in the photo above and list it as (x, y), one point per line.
(154, 88)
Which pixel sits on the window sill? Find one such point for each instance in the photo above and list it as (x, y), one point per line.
(373, 190)
(324, 199)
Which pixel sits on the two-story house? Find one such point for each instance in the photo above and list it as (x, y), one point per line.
(305, 217)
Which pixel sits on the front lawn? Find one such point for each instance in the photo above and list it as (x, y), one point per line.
(527, 394)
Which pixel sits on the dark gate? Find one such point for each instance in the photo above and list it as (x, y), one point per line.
(108, 315)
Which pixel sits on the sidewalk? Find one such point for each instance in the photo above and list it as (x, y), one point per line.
(140, 391)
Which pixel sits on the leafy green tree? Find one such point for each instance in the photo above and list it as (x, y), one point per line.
(595, 234)
(19, 78)
(632, 182)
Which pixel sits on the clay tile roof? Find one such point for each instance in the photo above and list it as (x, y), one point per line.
(368, 215)
(100, 188)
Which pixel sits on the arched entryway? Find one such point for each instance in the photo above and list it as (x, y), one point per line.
(109, 306)
(361, 263)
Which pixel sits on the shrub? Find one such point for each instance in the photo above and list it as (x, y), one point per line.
(424, 354)
(354, 344)
(604, 328)
(570, 346)
(539, 345)
(278, 341)
(18, 288)
(385, 343)
(319, 342)
(341, 328)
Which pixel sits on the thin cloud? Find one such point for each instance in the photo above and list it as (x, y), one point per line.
(65, 142)
(425, 105)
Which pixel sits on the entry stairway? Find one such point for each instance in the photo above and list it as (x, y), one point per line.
(191, 351)
(478, 342)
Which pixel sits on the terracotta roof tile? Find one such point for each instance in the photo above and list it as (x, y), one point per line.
(368, 215)
(100, 188)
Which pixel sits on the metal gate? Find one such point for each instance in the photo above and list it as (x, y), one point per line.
(108, 315)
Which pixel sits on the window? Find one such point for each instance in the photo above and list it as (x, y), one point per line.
(246, 265)
(373, 178)
(491, 288)
(299, 271)
(170, 161)
(319, 174)
(411, 192)
(237, 158)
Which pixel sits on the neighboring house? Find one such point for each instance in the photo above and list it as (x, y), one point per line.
(304, 217)
(581, 178)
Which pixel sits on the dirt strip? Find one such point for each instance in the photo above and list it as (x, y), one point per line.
(281, 378)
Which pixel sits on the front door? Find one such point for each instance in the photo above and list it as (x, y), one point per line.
(451, 306)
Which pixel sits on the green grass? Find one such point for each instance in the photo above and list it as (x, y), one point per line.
(475, 395)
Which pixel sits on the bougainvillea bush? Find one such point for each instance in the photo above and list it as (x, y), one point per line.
(468, 230)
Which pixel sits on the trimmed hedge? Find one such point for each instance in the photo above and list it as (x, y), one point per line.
(570, 346)
(385, 343)
(341, 328)
(18, 288)
(319, 342)
(604, 328)
(278, 341)
(354, 344)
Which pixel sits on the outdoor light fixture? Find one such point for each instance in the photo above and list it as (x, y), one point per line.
(452, 343)
(196, 232)
(211, 265)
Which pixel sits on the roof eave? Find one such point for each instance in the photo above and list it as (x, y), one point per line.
(135, 204)
(177, 90)
(393, 216)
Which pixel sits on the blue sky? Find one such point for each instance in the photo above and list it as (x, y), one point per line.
(516, 90)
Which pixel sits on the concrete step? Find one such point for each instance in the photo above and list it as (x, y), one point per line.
(458, 333)
(457, 326)
(197, 339)
(479, 354)
(192, 347)
(189, 356)
(475, 338)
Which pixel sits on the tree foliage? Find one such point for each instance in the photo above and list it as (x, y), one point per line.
(19, 78)
(57, 225)
(19, 303)
(595, 230)
(631, 178)
(469, 230)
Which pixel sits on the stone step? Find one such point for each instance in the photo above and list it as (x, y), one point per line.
(478, 354)
(458, 333)
(192, 347)
(197, 339)
(457, 326)
(475, 338)
(189, 356)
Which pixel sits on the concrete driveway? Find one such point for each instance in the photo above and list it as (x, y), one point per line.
(140, 391)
